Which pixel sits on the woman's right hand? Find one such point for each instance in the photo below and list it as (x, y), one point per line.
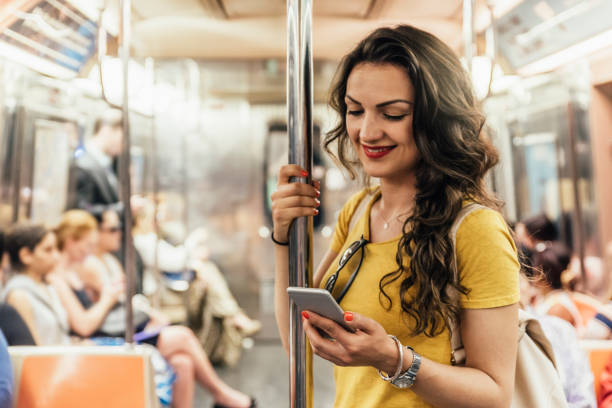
(292, 200)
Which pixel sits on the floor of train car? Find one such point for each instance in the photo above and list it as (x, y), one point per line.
(263, 370)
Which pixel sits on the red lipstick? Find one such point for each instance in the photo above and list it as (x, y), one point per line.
(376, 152)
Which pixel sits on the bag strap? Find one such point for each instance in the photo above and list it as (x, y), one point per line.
(457, 351)
(363, 203)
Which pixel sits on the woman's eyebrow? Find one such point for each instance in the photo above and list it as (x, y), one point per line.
(380, 105)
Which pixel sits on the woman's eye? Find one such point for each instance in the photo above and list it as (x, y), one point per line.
(395, 117)
(354, 112)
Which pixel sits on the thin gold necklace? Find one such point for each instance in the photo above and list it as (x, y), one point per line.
(395, 216)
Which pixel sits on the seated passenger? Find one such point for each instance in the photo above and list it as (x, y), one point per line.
(595, 281)
(5, 265)
(580, 310)
(572, 363)
(536, 229)
(77, 238)
(14, 328)
(192, 255)
(6, 375)
(33, 255)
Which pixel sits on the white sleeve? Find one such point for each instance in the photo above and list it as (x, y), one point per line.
(170, 258)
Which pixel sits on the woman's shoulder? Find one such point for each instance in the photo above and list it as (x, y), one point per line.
(19, 283)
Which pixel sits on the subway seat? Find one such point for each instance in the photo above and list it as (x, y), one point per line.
(83, 376)
(599, 353)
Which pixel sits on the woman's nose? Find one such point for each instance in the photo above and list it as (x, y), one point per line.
(370, 129)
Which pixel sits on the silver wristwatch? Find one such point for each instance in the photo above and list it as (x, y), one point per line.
(407, 378)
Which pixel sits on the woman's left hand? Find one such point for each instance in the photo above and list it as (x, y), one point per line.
(369, 345)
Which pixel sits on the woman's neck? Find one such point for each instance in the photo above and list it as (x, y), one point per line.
(35, 276)
(397, 198)
(66, 263)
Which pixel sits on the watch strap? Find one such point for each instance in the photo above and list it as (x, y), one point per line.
(408, 377)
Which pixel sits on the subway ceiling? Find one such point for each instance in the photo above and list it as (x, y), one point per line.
(249, 29)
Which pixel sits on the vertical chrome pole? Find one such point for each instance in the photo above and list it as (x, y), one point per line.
(124, 170)
(154, 164)
(299, 126)
(468, 33)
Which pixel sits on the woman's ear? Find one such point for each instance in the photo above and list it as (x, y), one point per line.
(25, 256)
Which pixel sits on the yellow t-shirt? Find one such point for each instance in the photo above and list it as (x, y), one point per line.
(488, 267)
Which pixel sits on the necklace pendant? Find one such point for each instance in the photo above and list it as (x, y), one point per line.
(386, 225)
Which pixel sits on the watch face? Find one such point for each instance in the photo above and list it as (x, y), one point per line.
(404, 381)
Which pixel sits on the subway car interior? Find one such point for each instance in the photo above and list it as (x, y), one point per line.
(140, 145)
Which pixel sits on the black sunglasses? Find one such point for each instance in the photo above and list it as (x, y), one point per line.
(112, 230)
(346, 256)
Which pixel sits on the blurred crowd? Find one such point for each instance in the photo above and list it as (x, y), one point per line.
(65, 284)
(570, 298)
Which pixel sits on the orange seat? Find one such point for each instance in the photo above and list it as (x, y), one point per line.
(586, 305)
(75, 377)
(600, 352)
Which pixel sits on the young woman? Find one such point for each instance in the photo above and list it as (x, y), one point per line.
(408, 117)
(77, 240)
(33, 255)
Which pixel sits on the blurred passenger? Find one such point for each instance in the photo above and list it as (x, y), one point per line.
(77, 238)
(407, 116)
(595, 281)
(590, 318)
(33, 255)
(192, 255)
(536, 229)
(572, 363)
(5, 264)
(93, 184)
(14, 328)
(6, 375)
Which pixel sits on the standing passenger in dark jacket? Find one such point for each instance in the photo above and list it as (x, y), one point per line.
(93, 184)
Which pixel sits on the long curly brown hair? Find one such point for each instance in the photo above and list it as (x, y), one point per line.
(454, 158)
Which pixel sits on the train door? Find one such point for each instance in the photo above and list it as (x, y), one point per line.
(36, 152)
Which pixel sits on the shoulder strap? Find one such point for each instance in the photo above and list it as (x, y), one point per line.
(465, 211)
(358, 212)
(458, 353)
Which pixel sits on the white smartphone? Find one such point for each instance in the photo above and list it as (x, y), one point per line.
(319, 301)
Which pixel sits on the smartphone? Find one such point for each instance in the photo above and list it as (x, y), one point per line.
(319, 301)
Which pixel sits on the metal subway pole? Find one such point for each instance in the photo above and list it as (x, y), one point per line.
(155, 179)
(299, 126)
(468, 33)
(124, 170)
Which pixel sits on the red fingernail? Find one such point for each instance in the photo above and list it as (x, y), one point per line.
(317, 193)
(305, 315)
(317, 202)
(304, 173)
(316, 212)
(348, 316)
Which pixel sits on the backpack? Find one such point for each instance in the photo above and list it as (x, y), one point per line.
(536, 380)
(221, 340)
